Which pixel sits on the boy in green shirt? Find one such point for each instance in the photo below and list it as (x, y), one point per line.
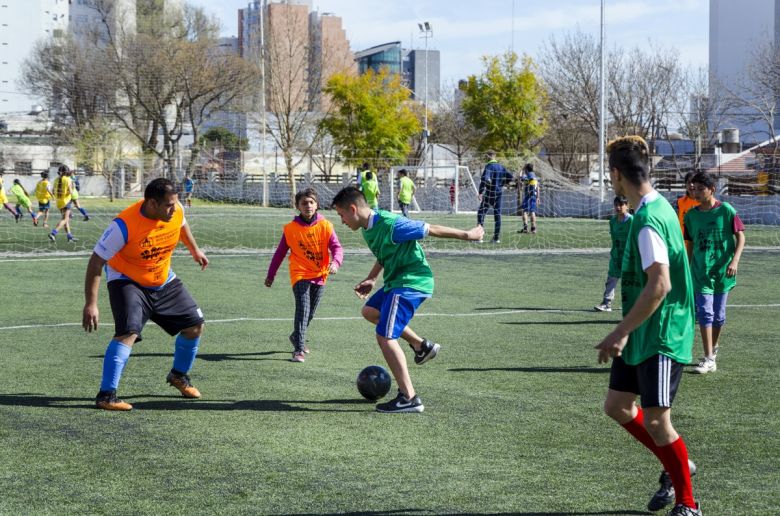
(619, 225)
(405, 192)
(653, 342)
(371, 190)
(717, 238)
(408, 281)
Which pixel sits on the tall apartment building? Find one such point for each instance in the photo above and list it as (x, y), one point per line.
(419, 69)
(302, 48)
(22, 25)
(737, 31)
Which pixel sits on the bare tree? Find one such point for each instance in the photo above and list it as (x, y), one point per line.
(449, 126)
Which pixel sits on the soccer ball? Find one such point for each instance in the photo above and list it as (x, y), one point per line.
(374, 382)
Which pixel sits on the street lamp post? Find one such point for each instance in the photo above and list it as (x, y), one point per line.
(426, 31)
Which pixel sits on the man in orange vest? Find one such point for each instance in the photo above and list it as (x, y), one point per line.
(136, 251)
(684, 203)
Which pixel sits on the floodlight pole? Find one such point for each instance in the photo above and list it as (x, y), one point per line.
(602, 117)
(426, 32)
(262, 94)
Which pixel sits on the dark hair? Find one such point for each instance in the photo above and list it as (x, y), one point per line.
(369, 175)
(491, 153)
(16, 181)
(620, 200)
(45, 175)
(62, 169)
(703, 178)
(630, 156)
(529, 167)
(348, 196)
(158, 189)
(364, 166)
(402, 171)
(308, 192)
(688, 177)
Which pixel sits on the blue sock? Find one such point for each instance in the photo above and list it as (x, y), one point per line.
(18, 211)
(113, 364)
(54, 232)
(184, 353)
(83, 211)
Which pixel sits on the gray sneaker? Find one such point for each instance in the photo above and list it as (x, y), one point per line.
(603, 307)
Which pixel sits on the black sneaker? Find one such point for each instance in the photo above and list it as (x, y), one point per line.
(73, 239)
(428, 351)
(401, 404)
(665, 494)
(684, 510)
(524, 230)
(52, 237)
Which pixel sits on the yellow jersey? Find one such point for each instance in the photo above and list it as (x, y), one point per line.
(42, 192)
(62, 189)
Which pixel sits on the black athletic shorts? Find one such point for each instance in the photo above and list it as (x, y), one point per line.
(655, 380)
(172, 308)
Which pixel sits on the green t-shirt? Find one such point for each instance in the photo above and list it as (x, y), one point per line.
(371, 191)
(404, 264)
(18, 191)
(669, 330)
(712, 234)
(405, 190)
(618, 231)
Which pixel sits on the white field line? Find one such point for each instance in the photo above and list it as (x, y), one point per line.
(358, 318)
(10, 257)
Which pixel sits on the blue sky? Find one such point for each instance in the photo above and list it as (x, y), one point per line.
(466, 30)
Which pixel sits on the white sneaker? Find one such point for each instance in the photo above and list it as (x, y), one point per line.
(715, 351)
(706, 365)
(603, 307)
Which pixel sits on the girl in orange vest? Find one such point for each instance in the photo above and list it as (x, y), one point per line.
(315, 253)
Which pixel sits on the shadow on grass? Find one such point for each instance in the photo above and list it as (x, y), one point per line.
(176, 403)
(558, 323)
(534, 309)
(572, 369)
(420, 511)
(216, 357)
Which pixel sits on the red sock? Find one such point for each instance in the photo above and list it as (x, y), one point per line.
(636, 427)
(674, 457)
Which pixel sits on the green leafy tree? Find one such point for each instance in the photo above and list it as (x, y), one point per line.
(222, 137)
(371, 118)
(506, 103)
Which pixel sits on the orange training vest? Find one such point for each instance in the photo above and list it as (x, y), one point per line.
(146, 257)
(309, 254)
(684, 203)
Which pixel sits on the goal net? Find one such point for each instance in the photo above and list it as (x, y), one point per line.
(448, 189)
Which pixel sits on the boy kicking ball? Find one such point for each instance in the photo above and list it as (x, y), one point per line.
(408, 281)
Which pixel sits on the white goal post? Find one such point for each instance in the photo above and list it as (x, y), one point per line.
(448, 188)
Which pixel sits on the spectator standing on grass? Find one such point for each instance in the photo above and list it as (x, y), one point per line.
(315, 253)
(405, 191)
(135, 251)
(653, 342)
(189, 187)
(717, 237)
(408, 281)
(490, 192)
(619, 226)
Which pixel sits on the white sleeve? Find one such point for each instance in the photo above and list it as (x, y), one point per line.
(652, 248)
(111, 242)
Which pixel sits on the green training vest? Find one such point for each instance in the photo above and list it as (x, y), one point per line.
(669, 330)
(712, 233)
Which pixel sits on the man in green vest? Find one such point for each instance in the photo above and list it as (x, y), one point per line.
(408, 281)
(405, 192)
(654, 341)
(371, 190)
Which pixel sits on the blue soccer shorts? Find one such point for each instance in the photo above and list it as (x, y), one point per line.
(529, 204)
(396, 309)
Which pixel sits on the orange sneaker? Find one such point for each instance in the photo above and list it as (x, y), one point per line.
(107, 400)
(182, 382)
